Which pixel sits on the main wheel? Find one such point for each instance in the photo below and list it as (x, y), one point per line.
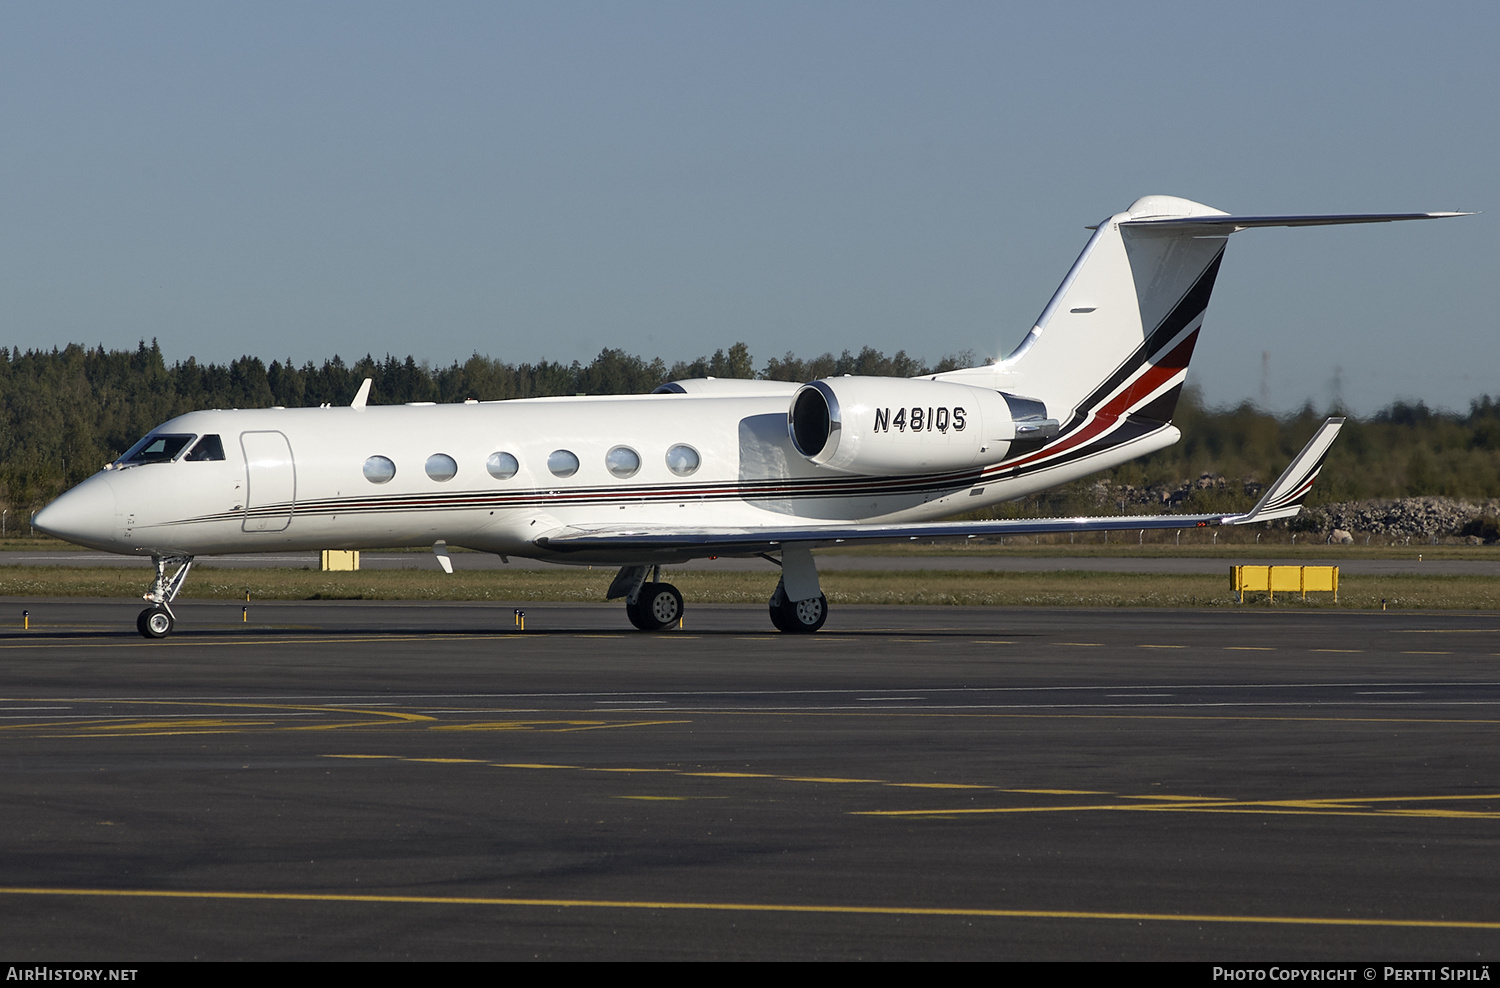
(798, 617)
(658, 606)
(154, 622)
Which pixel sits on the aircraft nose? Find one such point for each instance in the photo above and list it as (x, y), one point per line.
(85, 514)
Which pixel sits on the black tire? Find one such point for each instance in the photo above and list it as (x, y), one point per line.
(658, 606)
(800, 617)
(154, 622)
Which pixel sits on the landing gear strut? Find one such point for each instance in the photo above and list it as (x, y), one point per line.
(798, 606)
(657, 606)
(158, 620)
(797, 616)
(650, 604)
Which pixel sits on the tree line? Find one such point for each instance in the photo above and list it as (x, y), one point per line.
(65, 412)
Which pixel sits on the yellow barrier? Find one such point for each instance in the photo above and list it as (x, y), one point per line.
(340, 560)
(1284, 578)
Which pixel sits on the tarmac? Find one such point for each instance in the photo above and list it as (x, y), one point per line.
(383, 780)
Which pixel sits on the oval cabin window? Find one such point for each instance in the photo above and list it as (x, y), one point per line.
(623, 461)
(682, 460)
(502, 466)
(562, 463)
(441, 466)
(379, 470)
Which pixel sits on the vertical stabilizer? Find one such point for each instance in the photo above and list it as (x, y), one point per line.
(1116, 337)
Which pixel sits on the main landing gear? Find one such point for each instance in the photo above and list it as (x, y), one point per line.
(158, 620)
(797, 607)
(650, 604)
(797, 616)
(656, 606)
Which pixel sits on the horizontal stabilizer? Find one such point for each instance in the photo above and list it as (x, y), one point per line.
(1228, 224)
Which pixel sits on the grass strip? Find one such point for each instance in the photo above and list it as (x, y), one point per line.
(934, 587)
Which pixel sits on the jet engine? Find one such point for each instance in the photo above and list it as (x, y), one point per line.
(883, 425)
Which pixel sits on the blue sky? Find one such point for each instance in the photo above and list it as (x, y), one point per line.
(295, 180)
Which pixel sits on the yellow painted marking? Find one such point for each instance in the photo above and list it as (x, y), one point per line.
(728, 775)
(1058, 792)
(668, 771)
(808, 778)
(140, 734)
(447, 761)
(188, 642)
(995, 810)
(336, 727)
(532, 765)
(1445, 631)
(1409, 799)
(766, 907)
(1203, 804)
(150, 725)
(633, 723)
(935, 785)
(218, 726)
(515, 725)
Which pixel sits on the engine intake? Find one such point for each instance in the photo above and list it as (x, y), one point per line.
(882, 425)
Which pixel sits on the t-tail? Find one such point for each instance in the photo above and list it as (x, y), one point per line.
(1109, 354)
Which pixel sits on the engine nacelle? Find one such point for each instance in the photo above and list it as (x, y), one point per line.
(885, 425)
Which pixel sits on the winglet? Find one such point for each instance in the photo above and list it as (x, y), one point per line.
(1284, 498)
(363, 396)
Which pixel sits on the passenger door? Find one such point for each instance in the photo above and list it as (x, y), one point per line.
(270, 481)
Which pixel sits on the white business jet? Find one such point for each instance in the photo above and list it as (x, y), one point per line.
(709, 467)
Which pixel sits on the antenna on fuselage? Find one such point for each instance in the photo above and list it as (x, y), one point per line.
(363, 396)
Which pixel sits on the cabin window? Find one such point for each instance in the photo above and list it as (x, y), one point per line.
(379, 470)
(683, 460)
(502, 466)
(562, 463)
(623, 461)
(441, 466)
(208, 448)
(155, 449)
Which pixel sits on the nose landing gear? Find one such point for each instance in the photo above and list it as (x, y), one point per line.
(157, 621)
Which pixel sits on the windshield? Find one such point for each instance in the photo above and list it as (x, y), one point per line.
(155, 449)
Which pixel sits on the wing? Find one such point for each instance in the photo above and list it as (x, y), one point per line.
(1283, 499)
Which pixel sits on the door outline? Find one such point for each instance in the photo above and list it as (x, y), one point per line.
(270, 481)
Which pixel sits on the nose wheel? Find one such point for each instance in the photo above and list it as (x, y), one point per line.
(158, 620)
(155, 622)
(657, 606)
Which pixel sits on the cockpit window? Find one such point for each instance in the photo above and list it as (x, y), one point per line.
(158, 449)
(208, 448)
